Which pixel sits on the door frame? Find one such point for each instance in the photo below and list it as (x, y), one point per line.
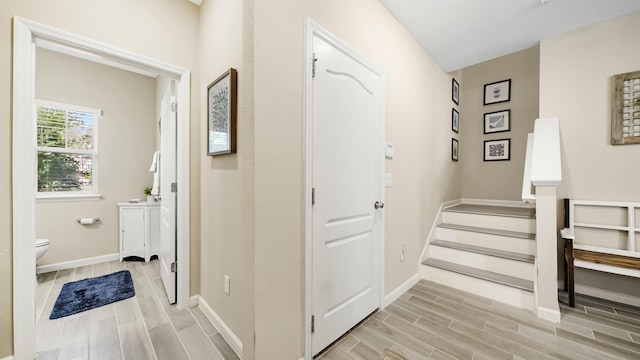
(26, 34)
(313, 29)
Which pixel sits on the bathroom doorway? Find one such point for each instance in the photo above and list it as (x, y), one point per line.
(26, 35)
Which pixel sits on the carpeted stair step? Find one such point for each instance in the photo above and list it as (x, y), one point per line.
(510, 255)
(502, 279)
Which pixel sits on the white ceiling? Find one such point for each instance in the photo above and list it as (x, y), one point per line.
(460, 33)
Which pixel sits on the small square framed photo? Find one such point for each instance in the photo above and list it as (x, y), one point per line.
(455, 149)
(455, 120)
(455, 91)
(497, 150)
(497, 92)
(498, 121)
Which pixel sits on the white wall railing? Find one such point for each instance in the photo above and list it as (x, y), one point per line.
(543, 170)
(528, 193)
(546, 166)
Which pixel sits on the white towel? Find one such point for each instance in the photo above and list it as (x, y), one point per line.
(154, 162)
(155, 169)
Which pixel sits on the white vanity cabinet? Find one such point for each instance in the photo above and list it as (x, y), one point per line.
(139, 229)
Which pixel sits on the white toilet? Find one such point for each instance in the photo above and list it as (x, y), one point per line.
(42, 246)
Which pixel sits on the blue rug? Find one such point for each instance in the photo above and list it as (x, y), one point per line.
(87, 294)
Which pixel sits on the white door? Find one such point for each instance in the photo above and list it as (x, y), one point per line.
(168, 122)
(348, 160)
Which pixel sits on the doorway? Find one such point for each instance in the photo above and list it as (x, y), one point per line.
(345, 169)
(27, 35)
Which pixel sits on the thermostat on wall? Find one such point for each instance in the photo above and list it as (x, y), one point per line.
(389, 151)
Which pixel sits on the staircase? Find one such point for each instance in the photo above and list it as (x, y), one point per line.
(487, 250)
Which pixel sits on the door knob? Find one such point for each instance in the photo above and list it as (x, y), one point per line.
(378, 205)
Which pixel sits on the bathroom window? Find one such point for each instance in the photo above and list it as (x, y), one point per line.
(67, 147)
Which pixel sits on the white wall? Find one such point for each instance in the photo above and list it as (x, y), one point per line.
(575, 86)
(126, 143)
(162, 29)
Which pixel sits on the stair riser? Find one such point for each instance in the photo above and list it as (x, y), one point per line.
(498, 265)
(519, 245)
(490, 221)
(502, 293)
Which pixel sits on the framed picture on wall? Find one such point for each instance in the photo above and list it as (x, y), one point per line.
(222, 113)
(455, 149)
(455, 91)
(497, 121)
(455, 120)
(497, 150)
(497, 92)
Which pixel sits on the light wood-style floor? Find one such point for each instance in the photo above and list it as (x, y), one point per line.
(432, 321)
(142, 327)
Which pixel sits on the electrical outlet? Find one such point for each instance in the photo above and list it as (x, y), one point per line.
(403, 253)
(227, 285)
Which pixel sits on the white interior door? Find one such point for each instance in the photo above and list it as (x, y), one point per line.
(168, 123)
(348, 160)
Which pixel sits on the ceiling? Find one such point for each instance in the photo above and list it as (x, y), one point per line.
(461, 33)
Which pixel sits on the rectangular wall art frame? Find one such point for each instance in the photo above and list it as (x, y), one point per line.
(455, 91)
(497, 92)
(222, 113)
(497, 150)
(498, 121)
(455, 149)
(455, 120)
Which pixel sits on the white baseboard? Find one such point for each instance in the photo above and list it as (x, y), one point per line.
(397, 292)
(496, 202)
(10, 357)
(549, 314)
(451, 203)
(76, 263)
(225, 331)
(194, 300)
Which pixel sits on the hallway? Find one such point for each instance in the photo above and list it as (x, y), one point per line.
(142, 327)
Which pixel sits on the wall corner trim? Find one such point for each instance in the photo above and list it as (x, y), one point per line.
(224, 329)
(403, 288)
(76, 263)
(552, 315)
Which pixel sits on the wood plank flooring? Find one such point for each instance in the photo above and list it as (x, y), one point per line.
(432, 321)
(142, 327)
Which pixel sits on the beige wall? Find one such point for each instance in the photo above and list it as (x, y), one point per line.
(126, 143)
(418, 110)
(227, 181)
(498, 180)
(575, 86)
(162, 29)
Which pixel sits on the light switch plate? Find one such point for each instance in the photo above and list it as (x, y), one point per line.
(389, 151)
(388, 181)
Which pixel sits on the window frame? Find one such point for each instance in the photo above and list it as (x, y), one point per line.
(92, 194)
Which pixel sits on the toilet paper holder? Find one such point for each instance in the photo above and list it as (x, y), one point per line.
(87, 221)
